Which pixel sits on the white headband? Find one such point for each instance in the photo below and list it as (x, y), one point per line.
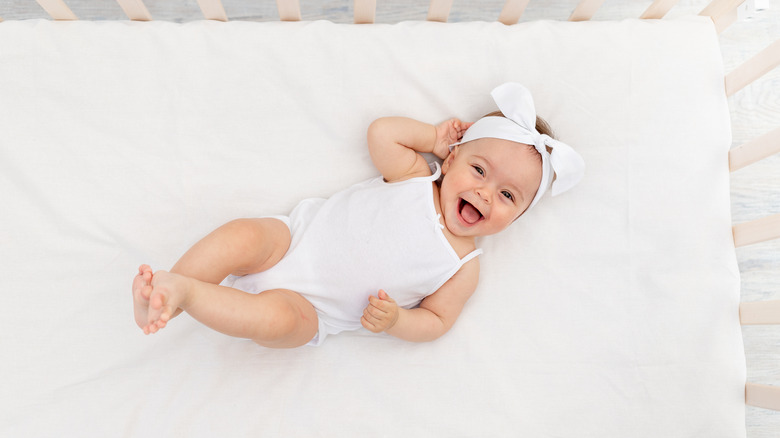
(519, 125)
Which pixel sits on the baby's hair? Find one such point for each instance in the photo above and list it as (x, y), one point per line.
(541, 125)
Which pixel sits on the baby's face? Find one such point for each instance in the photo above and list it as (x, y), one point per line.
(488, 183)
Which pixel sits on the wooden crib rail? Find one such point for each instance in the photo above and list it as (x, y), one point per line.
(759, 312)
(512, 11)
(722, 12)
(439, 10)
(762, 396)
(658, 9)
(57, 9)
(755, 313)
(365, 11)
(754, 68)
(135, 10)
(585, 10)
(213, 10)
(759, 230)
(754, 150)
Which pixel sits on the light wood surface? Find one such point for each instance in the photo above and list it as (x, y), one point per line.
(755, 111)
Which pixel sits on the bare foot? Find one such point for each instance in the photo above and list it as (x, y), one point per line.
(142, 290)
(168, 292)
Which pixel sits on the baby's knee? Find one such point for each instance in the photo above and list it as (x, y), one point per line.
(263, 242)
(285, 323)
(278, 317)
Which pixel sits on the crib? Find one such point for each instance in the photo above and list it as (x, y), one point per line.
(611, 311)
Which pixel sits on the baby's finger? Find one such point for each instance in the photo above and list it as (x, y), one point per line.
(377, 302)
(374, 312)
(370, 325)
(366, 324)
(387, 300)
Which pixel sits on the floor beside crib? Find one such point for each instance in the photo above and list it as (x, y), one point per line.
(754, 111)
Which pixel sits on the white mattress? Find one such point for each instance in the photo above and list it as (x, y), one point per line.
(609, 311)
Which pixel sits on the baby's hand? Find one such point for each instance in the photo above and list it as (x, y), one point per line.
(447, 133)
(381, 313)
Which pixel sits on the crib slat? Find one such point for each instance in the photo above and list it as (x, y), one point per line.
(439, 10)
(754, 150)
(512, 11)
(753, 68)
(760, 230)
(762, 396)
(289, 10)
(759, 312)
(135, 10)
(658, 9)
(365, 11)
(57, 9)
(722, 12)
(212, 10)
(585, 10)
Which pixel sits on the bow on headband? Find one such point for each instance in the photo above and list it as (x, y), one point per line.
(519, 125)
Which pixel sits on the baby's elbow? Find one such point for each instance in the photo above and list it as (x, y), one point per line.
(440, 328)
(376, 127)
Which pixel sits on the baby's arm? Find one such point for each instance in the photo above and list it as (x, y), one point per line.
(435, 315)
(394, 143)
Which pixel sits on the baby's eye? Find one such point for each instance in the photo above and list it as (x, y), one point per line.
(479, 170)
(508, 195)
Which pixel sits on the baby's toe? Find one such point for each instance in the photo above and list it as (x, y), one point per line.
(146, 292)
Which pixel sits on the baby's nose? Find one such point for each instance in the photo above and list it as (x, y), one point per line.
(484, 195)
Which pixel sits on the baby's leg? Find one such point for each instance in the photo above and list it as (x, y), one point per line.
(240, 247)
(276, 318)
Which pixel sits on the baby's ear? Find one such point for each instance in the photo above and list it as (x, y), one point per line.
(445, 165)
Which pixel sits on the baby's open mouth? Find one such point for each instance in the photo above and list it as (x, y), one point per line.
(468, 212)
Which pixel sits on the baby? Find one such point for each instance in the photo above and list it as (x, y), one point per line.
(288, 281)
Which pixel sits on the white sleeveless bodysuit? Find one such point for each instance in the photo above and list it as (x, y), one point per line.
(373, 235)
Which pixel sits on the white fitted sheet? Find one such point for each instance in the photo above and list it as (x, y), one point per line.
(609, 311)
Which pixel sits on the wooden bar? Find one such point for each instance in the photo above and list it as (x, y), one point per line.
(57, 9)
(759, 312)
(722, 12)
(585, 10)
(762, 396)
(760, 230)
(213, 10)
(753, 68)
(365, 11)
(754, 150)
(512, 11)
(289, 10)
(135, 10)
(658, 9)
(439, 10)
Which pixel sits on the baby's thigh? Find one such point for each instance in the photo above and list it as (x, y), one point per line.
(266, 239)
(294, 320)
